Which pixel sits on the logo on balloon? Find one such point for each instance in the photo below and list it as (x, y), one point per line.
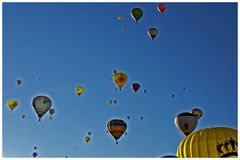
(227, 148)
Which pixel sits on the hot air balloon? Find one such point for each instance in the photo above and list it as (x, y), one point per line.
(115, 101)
(117, 127)
(79, 90)
(161, 8)
(41, 105)
(35, 154)
(12, 104)
(172, 95)
(128, 117)
(197, 112)
(23, 116)
(120, 79)
(136, 14)
(110, 101)
(152, 32)
(216, 142)
(120, 18)
(169, 156)
(145, 91)
(87, 139)
(51, 111)
(135, 87)
(141, 118)
(35, 148)
(186, 122)
(89, 133)
(19, 82)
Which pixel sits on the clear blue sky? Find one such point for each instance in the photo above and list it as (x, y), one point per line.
(71, 44)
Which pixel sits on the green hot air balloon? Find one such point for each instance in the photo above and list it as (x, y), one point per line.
(137, 14)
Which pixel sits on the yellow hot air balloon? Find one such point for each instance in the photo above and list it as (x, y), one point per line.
(12, 104)
(79, 90)
(217, 142)
(120, 18)
(120, 79)
(87, 139)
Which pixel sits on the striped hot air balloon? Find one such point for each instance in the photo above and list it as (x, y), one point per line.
(117, 127)
(216, 142)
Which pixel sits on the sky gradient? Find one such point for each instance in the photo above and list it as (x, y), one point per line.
(71, 44)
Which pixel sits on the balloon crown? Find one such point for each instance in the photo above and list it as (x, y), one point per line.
(227, 148)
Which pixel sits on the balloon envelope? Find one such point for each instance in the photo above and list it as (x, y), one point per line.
(87, 139)
(136, 14)
(186, 122)
(120, 79)
(152, 32)
(169, 156)
(79, 90)
(35, 154)
(219, 142)
(12, 104)
(41, 105)
(117, 127)
(19, 82)
(197, 112)
(51, 111)
(135, 86)
(161, 8)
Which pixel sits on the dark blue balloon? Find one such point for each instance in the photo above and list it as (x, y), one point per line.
(35, 154)
(169, 156)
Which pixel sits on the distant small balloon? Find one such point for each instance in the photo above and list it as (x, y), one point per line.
(23, 116)
(145, 91)
(128, 117)
(110, 101)
(172, 95)
(35, 154)
(141, 118)
(89, 133)
(19, 82)
(115, 101)
(35, 148)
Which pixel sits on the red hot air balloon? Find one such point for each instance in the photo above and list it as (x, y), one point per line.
(135, 86)
(161, 8)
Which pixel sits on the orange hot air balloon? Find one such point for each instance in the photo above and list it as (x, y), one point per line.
(120, 79)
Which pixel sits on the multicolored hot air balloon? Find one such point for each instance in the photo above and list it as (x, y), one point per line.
(117, 127)
(161, 8)
(152, 32)
(219, 142)
(120, 79)
(186, 122)
(41, 105)
(136, 14)
(79, 90)
(87, 139)
(135, 87)
(12, 104)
